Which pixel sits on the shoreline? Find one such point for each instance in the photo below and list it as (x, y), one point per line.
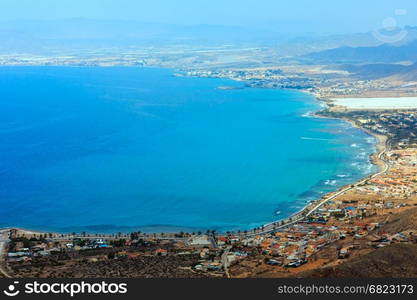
(375, 159)
(323, 104)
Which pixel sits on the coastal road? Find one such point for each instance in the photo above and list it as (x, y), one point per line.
(4, 240)
(225, 261)
(212, 238)
(341, 192)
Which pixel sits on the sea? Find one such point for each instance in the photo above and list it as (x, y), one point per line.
(119, 149)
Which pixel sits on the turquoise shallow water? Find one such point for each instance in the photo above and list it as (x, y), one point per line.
(109, 149)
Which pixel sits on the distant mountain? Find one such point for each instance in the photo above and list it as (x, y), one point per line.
(378, 71)
(373, 71)
(39, 36)
(302, 45)
(74, 34)
(386, 53)
(409, 74)
(49, 37)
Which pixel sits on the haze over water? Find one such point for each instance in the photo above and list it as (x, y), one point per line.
(109, 149)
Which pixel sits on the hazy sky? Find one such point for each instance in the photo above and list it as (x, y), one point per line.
(321, 16)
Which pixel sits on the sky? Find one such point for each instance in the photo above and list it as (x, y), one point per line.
(291, 16)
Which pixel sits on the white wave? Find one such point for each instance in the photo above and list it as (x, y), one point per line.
(313, 139)
(342, 175)
(330, 182)
(308, 114)
(370, 140)
(361, 155)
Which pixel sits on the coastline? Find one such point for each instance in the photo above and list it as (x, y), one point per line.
(322, 104)
(375, 159)
(313, 204)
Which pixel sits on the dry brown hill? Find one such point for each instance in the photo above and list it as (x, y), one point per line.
(402, 222)
(410, 74)
(394, 261)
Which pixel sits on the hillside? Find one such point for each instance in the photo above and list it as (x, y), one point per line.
(373, 71)
(386, 53)
(390, 262)
(405, 221)
(382, 70)
(410, 74)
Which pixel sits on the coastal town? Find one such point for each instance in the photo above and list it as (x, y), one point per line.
(324, 81)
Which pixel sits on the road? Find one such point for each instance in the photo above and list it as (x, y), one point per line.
(212, 238)
(385, 169)
(302, 215)
(225, 261)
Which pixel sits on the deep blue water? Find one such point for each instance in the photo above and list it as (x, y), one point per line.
(108, 149)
